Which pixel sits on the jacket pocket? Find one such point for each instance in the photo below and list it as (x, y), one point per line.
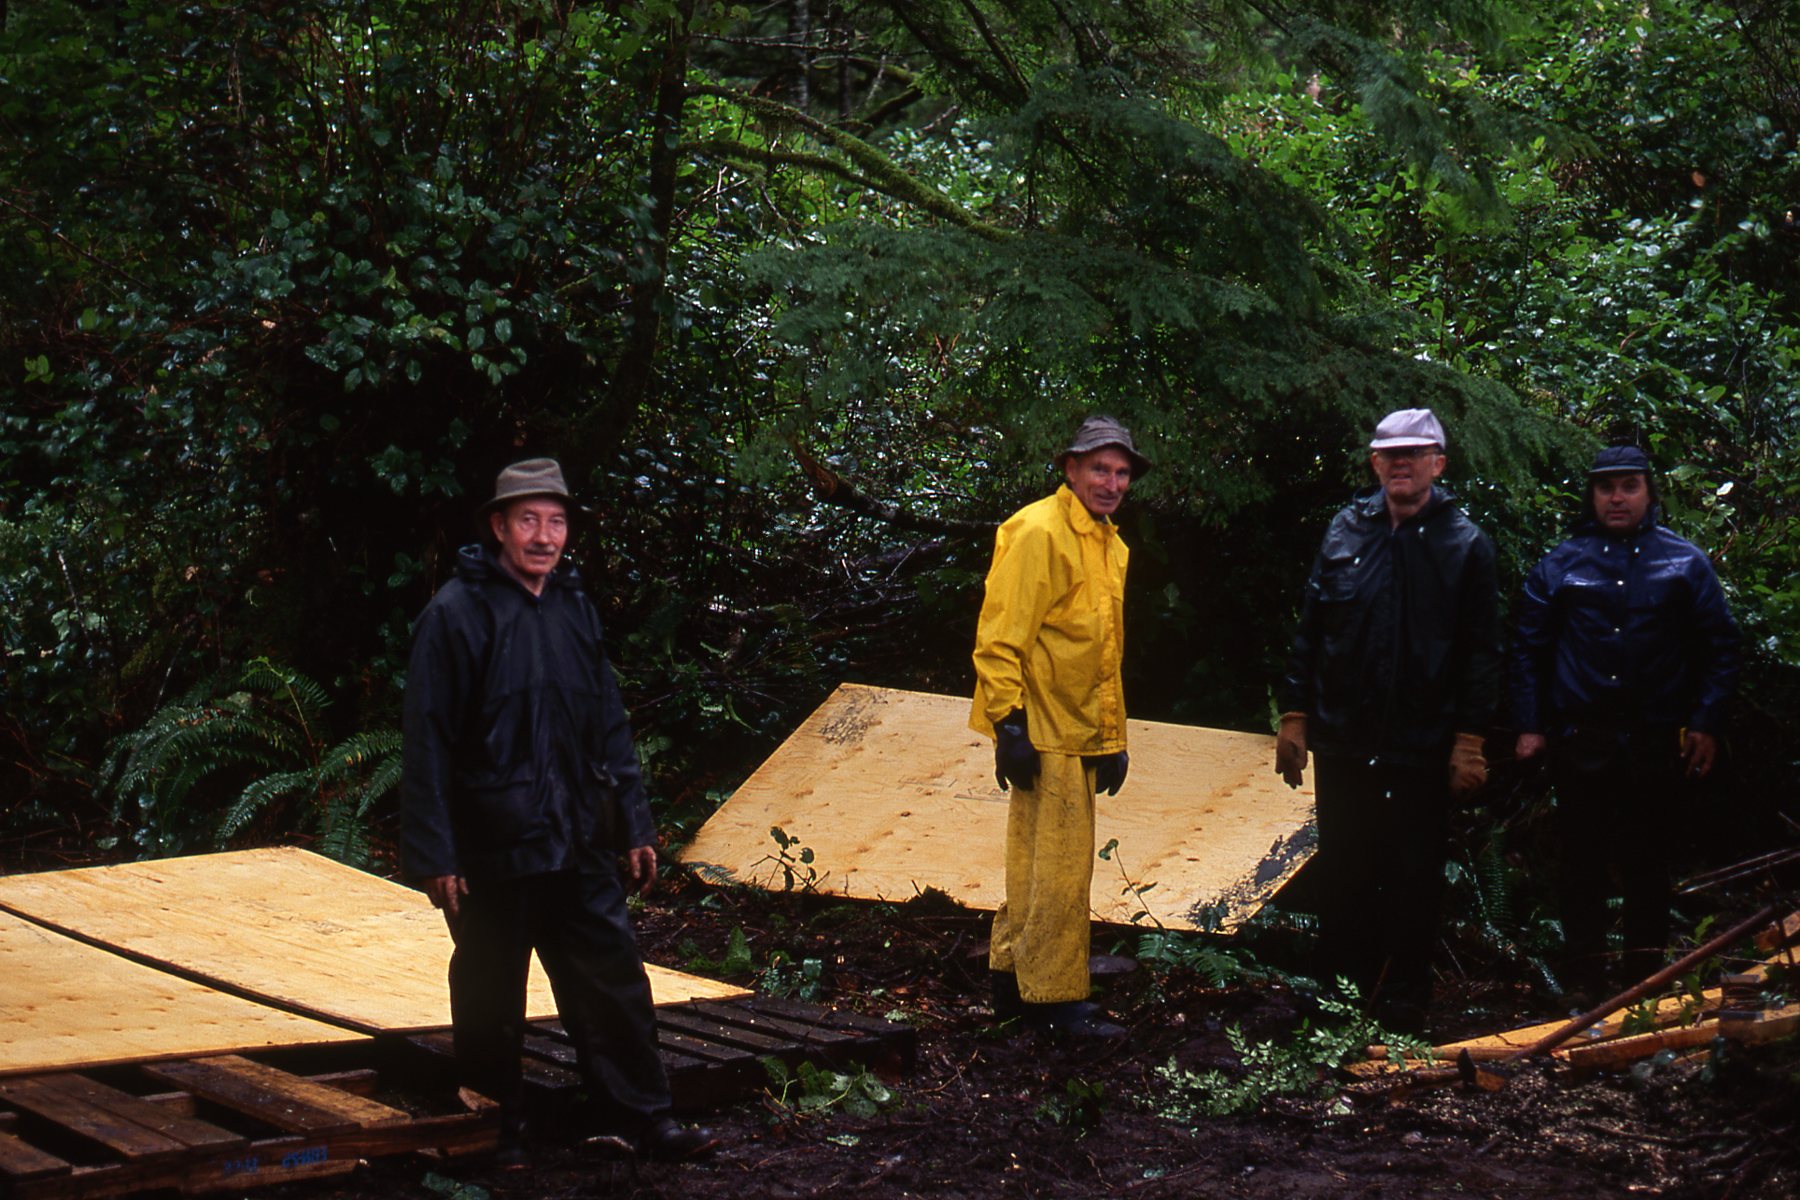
(503, 810)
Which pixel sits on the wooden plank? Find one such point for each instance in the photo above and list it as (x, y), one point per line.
(1782, 1023)
(792, 1029)
(894, 794)
(286, 926)
(698, 1026)
(20, 1161)
(118, 1135)
(72, 1005)
(164, 1119)
(359, 1111)
(267, 1101)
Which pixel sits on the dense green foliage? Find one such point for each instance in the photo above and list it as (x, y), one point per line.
(805, 298)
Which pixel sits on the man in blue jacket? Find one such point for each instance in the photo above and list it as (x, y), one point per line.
(521, 792)
(1391, 686)
(1625, 658)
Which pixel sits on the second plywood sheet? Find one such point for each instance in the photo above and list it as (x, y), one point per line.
(292, 927)
(893, 794)
(68, 1005)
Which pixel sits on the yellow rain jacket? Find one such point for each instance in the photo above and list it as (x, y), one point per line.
(1052, 629)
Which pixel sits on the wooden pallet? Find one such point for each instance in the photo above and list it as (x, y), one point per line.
(714, 1050)
(229, 1123)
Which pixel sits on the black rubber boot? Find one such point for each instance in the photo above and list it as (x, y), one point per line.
(1008, 1005)
(1077, 1020)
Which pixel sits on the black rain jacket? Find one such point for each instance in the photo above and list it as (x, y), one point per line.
(518, 757)
(1398, 648)
(1622, 632)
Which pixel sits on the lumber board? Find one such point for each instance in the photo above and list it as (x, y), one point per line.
(162, 1119)
(285, 926)
(71, 1005)
(122, 1137)
(21, 1161)
(289, 1102)
(1773, 1026)
(893, 794)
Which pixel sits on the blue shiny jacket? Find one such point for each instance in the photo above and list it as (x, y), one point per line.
(1623, 631)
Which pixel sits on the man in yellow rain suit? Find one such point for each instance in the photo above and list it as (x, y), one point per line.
(1047, 690)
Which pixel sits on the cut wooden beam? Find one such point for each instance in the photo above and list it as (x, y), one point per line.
(20, 1161)
(119, 1136)
(284, 1101)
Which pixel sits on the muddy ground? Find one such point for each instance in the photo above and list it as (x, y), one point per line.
(990, 1111)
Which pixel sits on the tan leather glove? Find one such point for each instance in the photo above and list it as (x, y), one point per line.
(1468, 769)
(1290, 748)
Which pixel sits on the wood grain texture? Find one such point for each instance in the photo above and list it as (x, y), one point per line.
(69, 1005)
(893, 794)
(285, 925)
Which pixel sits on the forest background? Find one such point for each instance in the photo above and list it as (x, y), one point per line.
(805, 296)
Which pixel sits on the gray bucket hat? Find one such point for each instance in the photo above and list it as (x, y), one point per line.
(532, 477)
(1096, 433)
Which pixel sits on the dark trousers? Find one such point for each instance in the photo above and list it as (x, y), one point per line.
(577, 922)
(1380, 866)
(1616, 798)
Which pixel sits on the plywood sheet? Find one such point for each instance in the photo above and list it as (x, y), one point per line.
(70, 1005)
(288, 926)
(893, 793)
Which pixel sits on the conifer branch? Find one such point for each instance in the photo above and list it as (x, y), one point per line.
(886, 176)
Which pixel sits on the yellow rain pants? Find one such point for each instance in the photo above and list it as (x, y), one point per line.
(1041, 929)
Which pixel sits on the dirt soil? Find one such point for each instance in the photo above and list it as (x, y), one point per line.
(991, 1111)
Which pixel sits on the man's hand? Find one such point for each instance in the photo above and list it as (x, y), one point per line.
(1290, 749)
(1015, 758)
(1109, 772)
(1698, 750)
(446, 892)
(1529, 745)
(1468, 767)
(640, 869)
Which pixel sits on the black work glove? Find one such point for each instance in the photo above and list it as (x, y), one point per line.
(1015, 759)
(1109, 771)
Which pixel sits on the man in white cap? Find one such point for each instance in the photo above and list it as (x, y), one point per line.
(1047, 690)
(521, 795)
(1391, 685)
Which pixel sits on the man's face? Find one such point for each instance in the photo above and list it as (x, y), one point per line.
(1100, 478)
(1406, 473)
(1620, 501)
(531, 533)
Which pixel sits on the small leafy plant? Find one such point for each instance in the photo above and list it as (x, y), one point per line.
(1301, 1066)
(813, 1091)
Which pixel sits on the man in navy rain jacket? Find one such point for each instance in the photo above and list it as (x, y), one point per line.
(1625, 659)
(520, 794)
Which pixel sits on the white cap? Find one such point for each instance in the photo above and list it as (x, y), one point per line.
(1408, 427)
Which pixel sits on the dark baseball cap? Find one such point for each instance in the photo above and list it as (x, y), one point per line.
(1620, 460)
